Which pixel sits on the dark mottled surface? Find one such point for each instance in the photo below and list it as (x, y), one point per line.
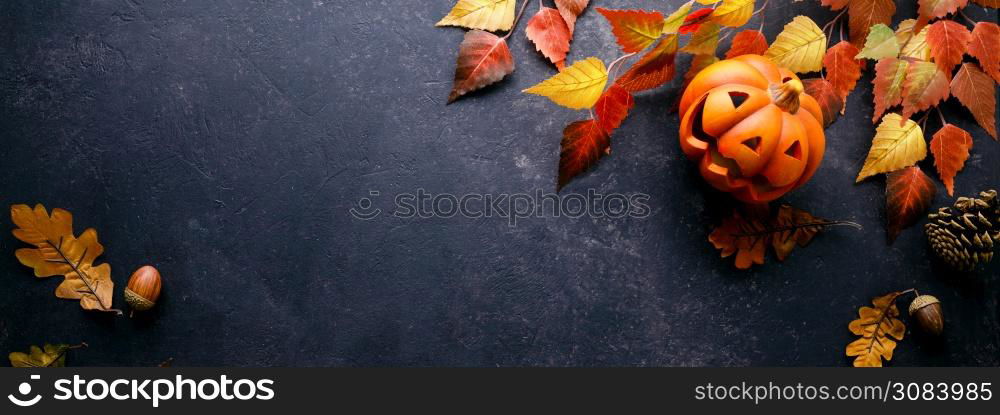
(225, 141)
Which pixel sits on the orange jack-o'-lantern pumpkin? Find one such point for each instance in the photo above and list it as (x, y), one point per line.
(754, 132)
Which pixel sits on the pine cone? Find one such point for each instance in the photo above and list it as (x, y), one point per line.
(963, 235)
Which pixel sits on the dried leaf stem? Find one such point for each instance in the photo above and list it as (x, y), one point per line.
(83, 275)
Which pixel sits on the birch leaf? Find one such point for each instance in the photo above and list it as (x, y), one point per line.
(985, 38)
(925, 86)
(733, 13)
(570, 10)
(930, 9)
(976, 91)
(799, 47)
(829, 100)
(704, 41)
(583, 144)
(548, 31)
(881, 43)
(950, 147)
(654, 69)
(842, 69)
(894, 147)
(747, 42)
(612, 108)
(483, 59)
(673, 22)
(863, 14)
(576, 87)
(877, 326)
(948, 41)
(490, 15)
(908, 195)
(889, 76)
(912, 46)
(634, 30)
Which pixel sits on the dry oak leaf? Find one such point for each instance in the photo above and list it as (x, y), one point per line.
(931, 9)
(795, 227)
(799, 47)
(733, 13)
(570, 10)
(548, 31)
(634, 30)
(58, 252)
(863, 14)
(948, 42)
(881, 43)
(673, 22)
(925, 86)
(913, 46)
(984, 45)
(704, 41)
(829, 100)
(747, 238)
(612, 108)
(842, 69)
(889, 76)
(894, 147)
(483, 59)
(655, 68)
(490, 15)
(50, 355)
(576, 87)
(950, 147)
(748, 234)
(975, 90)
(583, 144)
(876, 326)
(747, 42)
(693, 21)
(908, 195)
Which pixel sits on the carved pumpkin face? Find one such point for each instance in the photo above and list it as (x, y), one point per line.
(754, 132)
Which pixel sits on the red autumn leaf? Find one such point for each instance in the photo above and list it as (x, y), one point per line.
(948, 41)
(694, 20)
(930, 9)
(889, 76)
(974, 89)
(655, 68)
(635, 30)
(570, 10)
(863, 14)
(988, 3)
(747, 42)
(908, 195)
(549, 33)
(985, 38)
(612, 108)
(842, 70)
(950, 147)
(483, 59)
(924, 87)
(583, 144)
(834, 4)
(828, 98)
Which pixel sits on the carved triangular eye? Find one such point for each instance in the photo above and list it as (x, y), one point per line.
(753, 143)
(738, 98)
(795, 150)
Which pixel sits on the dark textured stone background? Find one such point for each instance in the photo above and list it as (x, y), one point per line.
(225, 141)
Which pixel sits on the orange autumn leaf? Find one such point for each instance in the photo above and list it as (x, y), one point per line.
(834, 4)
(549, 33)
(975, 90)
(924, 87)
(988, 3)
(747, 42)
(842, 70)
(634, 30)
(570, 10)
(908, 195)
(983, 47)
(948, 41)
(655, 68)
(877, 327)
(694, 20)
(612, 108)
(863, 14)
(950, 147)
(483, 59)
(889, 76)
(828, 98)
(931, 9)
(747, 238)
(583, 144)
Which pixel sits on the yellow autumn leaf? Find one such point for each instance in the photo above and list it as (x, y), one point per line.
(47, 356)
(877, 327)
(896, 145)
(704, 41)
(674, 22)
(799, 47)
(576, 87)
(733, 13)
(915, 47)
(490, 15)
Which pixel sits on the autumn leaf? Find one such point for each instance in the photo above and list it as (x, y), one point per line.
(570, 10)
(583, 144)
(50, 355)
(834, 4)
(988, 3)
(549, 33)
(634, 30)
(733, 13)
(747, 42)
(799, 47)
(655, 68)
(673, 23)
(948, 42)
(950, 147)
(612, 108)
(795, 227)
(975, 90)
(930, 9)
(889, 76)
(913, 46)
(704, 41)
(829, 100)
(983, 47)
(908, 195)
(842, 69)
(483, 59)
(881, 43)
(747, 238)
(863, 14)
(490, 15)
(576, 87)
(877, 327)
(925, 86)
(58, 252)
(693, 21)
(894, 147)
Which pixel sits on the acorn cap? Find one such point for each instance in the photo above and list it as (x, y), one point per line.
(921, 302)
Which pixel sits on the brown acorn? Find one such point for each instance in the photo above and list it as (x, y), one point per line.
(143, 288)
(927, 310)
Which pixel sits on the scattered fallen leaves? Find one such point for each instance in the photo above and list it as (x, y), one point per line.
(46, 356)
(925, 86)
(876, 326)
(863, 14)
(612, 108)
(583, 144)
(570, 10)
(576, 87)
(483, 59)
(908, 195)
(704, 40)
(888, 82)
(733, 13)
(950, 147)
(948, 41)
(490, 15)
(747, 42)
(983, 47)
(634, 30)
(655, 68)
(800, 46)
(550, 34)
(829, 99)
(842, 69)
(58, 252)
(976, 91)
(894, 147)
(881, 43)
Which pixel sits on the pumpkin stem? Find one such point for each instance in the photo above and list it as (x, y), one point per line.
(786, 95)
